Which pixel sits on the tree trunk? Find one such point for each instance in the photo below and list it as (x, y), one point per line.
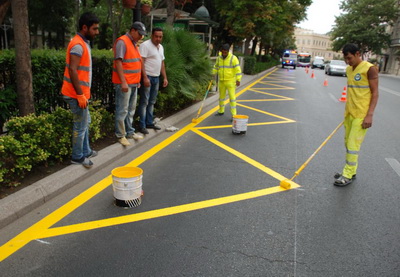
(4, 4)
(247, 46)
(170, 12)
(23, 57)
(253, 49)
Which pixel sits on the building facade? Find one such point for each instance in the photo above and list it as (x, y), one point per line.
(315, 44)
(389, 61)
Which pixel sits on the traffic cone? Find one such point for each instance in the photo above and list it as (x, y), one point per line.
(326, 82)
(307, 70)
(344, 98)
(312, 75)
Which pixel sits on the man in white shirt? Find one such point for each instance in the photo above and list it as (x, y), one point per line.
(152, 53)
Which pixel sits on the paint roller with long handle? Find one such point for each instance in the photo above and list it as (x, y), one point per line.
(286, 182)
(194, 120)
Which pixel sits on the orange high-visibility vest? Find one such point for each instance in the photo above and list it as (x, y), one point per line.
(83, 70)
(131, 63)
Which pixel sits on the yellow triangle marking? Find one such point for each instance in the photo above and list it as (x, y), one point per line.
(264, 112)
(249, 124)
(268, 93)
(273, 86)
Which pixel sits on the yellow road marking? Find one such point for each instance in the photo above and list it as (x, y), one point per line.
(91, 225)
(249, 160)
(267, 113)
(38, 228)
(42, 229)
(249, 124)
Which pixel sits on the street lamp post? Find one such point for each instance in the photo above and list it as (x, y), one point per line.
(5, 27)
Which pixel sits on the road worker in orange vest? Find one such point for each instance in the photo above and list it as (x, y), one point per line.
(76, 87)
(126, 76)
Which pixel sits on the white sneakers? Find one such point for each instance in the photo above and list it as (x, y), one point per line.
(125, 142)
(134, 136)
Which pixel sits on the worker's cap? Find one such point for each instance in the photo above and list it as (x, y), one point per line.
(139, 26)
(225, 46)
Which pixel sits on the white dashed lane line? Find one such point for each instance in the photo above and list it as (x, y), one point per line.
(394, 164)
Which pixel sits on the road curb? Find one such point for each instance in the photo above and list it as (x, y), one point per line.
(25, 200)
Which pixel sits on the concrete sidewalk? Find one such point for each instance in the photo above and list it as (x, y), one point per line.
(22, 202)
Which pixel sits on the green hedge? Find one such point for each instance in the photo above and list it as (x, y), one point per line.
(41, 140)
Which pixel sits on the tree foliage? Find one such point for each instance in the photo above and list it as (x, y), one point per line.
(365, 23)
(266, 20)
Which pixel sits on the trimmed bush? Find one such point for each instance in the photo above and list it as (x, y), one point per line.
(249, 67)
(40, 140)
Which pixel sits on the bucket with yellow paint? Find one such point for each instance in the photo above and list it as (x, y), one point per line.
(239, 124)
(127, 186)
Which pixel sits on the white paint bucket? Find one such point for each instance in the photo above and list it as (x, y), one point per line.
(127, 186)
(239, 124)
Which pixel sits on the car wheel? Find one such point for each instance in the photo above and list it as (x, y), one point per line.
(294, 67)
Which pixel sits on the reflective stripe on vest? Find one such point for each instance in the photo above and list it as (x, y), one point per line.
(131, 63)
(83, 70)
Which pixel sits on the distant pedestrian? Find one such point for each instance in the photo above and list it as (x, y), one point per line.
(152, 53)
(126, 76)
(76, 87)
(229, 73)
(362, 98)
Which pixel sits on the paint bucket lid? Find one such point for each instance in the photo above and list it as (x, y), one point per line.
(126, 172)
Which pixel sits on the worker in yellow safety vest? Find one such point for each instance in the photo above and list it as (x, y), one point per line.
(362, 97)
(229, 73)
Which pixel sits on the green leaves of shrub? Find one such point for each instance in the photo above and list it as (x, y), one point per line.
(37, 140)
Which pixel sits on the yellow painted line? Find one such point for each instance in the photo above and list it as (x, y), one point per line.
(272, 94)
(38, 228)
(249, 124)
(213, 110)
(274, 86)
(91, 225)
(264, 112)
(264, 100)
(41, 226)
(241, 156)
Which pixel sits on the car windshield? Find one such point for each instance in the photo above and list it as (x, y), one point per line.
(319, 61)
(338, 63)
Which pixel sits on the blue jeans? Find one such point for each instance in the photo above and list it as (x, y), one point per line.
(80, 129)
(148, 97)
(125, 106)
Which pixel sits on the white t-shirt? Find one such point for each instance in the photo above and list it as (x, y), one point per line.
(154, 56)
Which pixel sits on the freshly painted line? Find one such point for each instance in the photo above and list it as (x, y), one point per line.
(267, 93)
(41, 226)
(389, 91)
(264, 100)
(38, 228)
(394, 164)
(264, 112)
(57, 231)
(249, 124)
(249, 160)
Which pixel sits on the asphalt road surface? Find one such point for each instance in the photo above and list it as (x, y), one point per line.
(213, 205)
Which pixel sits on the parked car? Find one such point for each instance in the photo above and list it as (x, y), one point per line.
(318, 63)
(336, 67)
